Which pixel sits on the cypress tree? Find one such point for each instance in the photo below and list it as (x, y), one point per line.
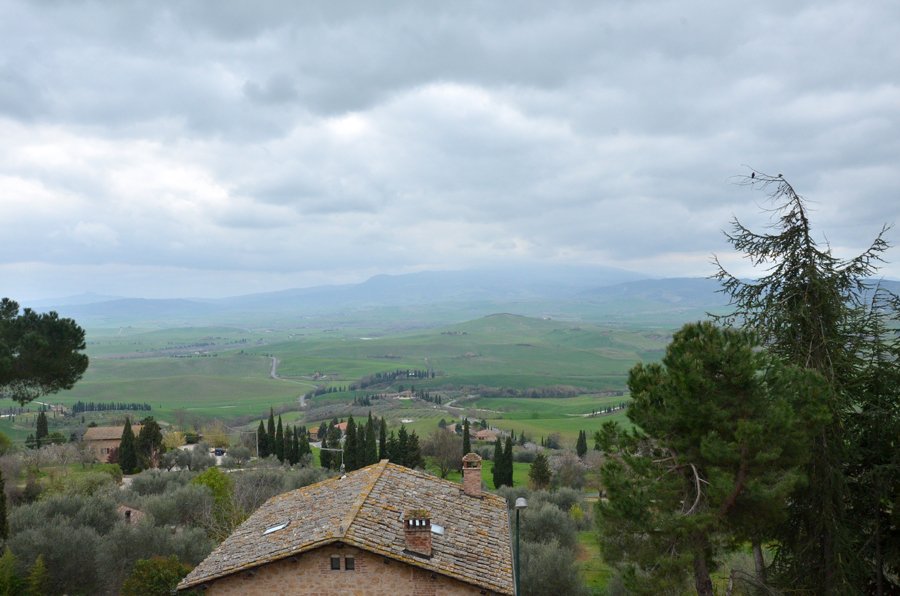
(497, 472)
(262, 440)
(581, 444)
(279, 441)
(325, 456)
(508, 463)
(127, 450)
(295, 446)
(371, 444)
(350, 446)
(467, 441)
(271, 432)
(539, 474)
(361, 446)
(391, 449)
(382, 440)
(41, 431)
(402, 446)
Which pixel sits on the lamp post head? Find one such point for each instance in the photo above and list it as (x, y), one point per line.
(521, 503)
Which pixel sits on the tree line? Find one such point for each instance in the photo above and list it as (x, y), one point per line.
(772, 426)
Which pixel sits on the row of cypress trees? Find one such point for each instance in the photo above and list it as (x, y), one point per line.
(288, 444)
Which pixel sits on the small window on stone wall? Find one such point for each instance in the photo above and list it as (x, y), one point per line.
(349, 563)
(336, 563)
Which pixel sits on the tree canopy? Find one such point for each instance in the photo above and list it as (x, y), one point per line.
(40, 353)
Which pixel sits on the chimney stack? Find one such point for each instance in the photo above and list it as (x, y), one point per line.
(471, 471)
(417, 530)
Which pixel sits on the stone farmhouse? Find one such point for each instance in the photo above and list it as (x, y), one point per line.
(382, 529)
(102, 440)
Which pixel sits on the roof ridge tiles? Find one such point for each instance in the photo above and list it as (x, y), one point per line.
(360, 500)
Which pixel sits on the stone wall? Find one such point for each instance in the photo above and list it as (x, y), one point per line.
(312, 573)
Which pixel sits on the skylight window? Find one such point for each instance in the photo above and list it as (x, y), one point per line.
(275, 528)
(436, 529)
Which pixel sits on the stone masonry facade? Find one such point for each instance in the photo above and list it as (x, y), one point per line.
(312, 573)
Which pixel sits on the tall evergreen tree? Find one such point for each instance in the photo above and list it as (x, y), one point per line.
(403, 446)
(508, 462)
(371, 442)
(279, 441)
(294, 438)
(128, 459)
(350, 446)
(392, 450)
(467, 441)
(382, 440)
(325, 456)
(539, 473)
(497, 472)
(727, 429)
(149, 443)
(262, 440)
(41, 431)
(360, 445)
(413, 452)
(581, 444)
(808, 309)
(270, 431)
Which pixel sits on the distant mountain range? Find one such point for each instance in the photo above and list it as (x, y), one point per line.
(424, 299)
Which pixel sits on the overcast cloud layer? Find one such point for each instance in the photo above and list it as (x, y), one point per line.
(194, 149)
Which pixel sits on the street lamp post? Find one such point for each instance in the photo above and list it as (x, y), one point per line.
(521, 504)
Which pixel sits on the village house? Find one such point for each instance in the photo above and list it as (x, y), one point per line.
(486, 435)
(383, 529)
(103, 440)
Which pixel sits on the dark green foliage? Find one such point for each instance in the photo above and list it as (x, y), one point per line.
(292, 445)
(10, 583)
(371, 447)
(413, 457)
(270, 432)
(39, 353)
(497, 472)
(581, 444)
(149, 443)
(727, 427)
(279, 441)
(507, 478)
(809, 309)
(350, 447)
(539, 473)
(128, 457)
(361, 446)
(41, 431)
(156, 576)
(382, 440)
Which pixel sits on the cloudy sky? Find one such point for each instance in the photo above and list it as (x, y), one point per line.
(207, 149)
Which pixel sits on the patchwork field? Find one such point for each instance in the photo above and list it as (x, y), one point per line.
(486, 368)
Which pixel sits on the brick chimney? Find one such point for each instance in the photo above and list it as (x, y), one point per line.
(471, 471)
(417, 530)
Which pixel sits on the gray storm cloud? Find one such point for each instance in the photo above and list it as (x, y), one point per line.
(260, 147)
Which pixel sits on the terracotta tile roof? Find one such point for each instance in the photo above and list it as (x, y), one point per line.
(108, 433)
(365, 509)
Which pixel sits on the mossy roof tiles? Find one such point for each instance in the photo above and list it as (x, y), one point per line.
(365, 509)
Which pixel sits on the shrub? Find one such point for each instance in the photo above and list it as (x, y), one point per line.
(548, 570)
(156, 576)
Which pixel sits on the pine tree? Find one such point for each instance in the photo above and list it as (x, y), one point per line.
(467, 441)
(727, 428)
(149, 443)
(350, 446)
(807, 309)
(279, 441)
(127, 450)
(262, 439)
